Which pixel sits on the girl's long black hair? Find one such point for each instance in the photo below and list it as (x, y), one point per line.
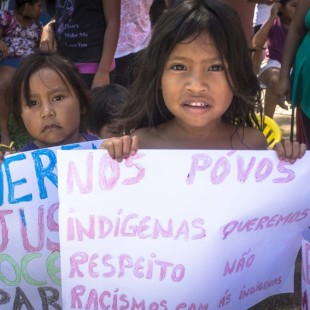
(188, 19)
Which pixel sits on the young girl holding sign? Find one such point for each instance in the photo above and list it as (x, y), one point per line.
(196, 88)
(50, 99)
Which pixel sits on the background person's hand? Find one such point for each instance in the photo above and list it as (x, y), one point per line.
(275, 10)
(283, 91)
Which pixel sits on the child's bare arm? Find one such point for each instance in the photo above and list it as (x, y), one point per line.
(48, 41)
(120, 148)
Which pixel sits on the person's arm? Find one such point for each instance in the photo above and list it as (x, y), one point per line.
(296, 33)
(3, 46)
(261, 36)
(112, 14)
(48, 41)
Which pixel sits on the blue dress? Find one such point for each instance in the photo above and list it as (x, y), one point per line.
(31, 146)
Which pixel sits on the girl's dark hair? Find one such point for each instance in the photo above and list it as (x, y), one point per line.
(68, 72)
(50, 7)
(20, 3)
(105, 103)
(186, 20)
(157, 8)
(283, 2)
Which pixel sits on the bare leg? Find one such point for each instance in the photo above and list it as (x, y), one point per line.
(270, 78)
(6, 75)
(257, 58)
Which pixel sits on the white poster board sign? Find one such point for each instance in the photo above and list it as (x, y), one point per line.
(305, 274)
(29, 239)
(179, 229)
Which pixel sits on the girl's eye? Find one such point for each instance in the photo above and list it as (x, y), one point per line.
(178, 67)
(58, 98)
(216, 68)
(32, 103)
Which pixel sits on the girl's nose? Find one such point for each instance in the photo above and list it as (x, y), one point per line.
(47, 110)
(197, 82)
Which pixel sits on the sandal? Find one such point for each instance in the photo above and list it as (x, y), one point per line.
(7, 148)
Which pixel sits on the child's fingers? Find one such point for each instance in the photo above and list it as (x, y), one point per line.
(298, 150)
(115, 148)
(135, 144)
(108, 145)
(301, 150)
(129, 146)
(126, 146)
(122, 147)
(280, 150)
(284, 150)
(290, 151)
(294, 150)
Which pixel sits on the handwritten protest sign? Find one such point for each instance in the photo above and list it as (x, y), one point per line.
(305, 283)
(29, 238)
(179, 229)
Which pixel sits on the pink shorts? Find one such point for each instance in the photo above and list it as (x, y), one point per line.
(91, 68)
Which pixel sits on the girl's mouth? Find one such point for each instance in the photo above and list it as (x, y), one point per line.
(197, 105)
(50, 127)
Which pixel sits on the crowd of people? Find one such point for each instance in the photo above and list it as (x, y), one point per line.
(167, 75)
(108, 46)
(187, 96)
(273, 34)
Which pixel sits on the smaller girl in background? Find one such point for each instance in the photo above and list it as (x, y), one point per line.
(49, 97)
(196, 88)
(274, 32)
(20, 34)
(105, 102)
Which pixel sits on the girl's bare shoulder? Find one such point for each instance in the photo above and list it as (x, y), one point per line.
(251, 138)
(149, 138)
(246, 138)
